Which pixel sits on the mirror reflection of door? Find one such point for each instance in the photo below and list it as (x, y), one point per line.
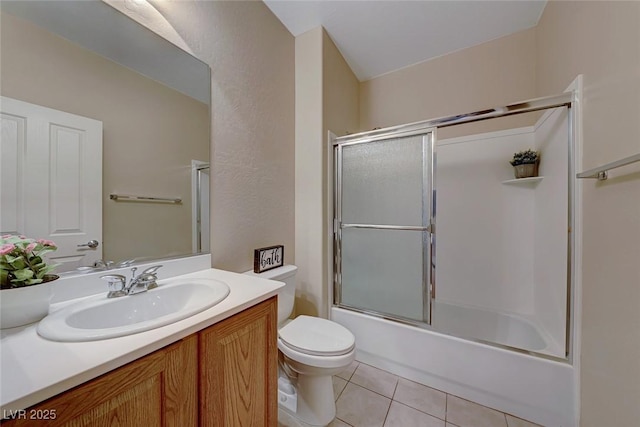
(41, 145)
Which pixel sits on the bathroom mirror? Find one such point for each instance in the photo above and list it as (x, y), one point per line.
(86, 60)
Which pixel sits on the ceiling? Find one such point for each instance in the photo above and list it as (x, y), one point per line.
(377, 37)
(100, 28)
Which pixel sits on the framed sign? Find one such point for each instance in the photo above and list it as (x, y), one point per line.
(267, 258)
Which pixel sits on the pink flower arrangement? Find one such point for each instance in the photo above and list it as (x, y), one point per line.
(7, 248)
(21, 261)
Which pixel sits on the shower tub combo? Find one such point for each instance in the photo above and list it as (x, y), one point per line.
(490, 317)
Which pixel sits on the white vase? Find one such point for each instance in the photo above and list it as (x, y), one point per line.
(21, 306)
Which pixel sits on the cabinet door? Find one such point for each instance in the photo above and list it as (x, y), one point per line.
(157, 390)
(239, 369)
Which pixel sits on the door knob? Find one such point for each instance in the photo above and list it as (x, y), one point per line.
(91, 244)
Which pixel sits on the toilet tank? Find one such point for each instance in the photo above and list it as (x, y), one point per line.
(286, 295)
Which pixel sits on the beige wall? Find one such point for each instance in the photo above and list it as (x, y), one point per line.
(309, 173)
(340, 107)
(340, 90)
(340, 111)
(326, 100)
(602, 41)
(151, 133)
(251, 55)
(488, 75)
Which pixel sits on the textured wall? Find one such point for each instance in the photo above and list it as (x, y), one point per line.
(602, 41)
(251, 55)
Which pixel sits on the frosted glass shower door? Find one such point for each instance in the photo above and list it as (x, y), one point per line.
(383, 214)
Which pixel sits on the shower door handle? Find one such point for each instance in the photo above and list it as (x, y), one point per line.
(388, 227)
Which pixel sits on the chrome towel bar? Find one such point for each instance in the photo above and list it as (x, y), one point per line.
(129, 198)
(601, 172)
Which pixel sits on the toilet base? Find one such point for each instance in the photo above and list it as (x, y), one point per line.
(315, 401)
(287, 393)
(287, 419)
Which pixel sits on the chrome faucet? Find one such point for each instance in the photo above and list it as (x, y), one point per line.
(141, 283)
(116, 285)
(103, 264)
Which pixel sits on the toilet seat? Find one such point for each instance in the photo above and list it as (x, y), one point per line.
(316, 337)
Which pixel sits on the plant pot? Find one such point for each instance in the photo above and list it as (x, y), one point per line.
(526, 170)
(28, 304)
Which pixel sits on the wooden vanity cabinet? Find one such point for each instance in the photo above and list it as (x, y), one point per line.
(239, 369)
(225, 375)
(156, 390)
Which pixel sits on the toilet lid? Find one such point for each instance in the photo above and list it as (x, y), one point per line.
(316, 336)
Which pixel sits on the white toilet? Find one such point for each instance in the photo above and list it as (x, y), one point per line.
(311, 351)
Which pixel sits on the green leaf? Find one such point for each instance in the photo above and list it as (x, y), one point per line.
(40, 274)
(10, 258)
(4, 278)
(18, 263)
(21, 275)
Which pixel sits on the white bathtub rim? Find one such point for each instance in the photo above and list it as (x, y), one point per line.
(514, 318)
(541, 354)
(552, 348)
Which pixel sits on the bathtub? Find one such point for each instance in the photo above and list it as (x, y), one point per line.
(507, 329)
(520, 384)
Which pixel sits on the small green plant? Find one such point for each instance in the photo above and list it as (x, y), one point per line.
(21, 262)
(526, 157)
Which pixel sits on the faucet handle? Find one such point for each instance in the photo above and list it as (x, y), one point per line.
(126, 263)
(116, 285)
(151, 275)
(152, 270)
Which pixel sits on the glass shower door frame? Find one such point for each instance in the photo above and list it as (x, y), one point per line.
(427, 228)
(571, 99)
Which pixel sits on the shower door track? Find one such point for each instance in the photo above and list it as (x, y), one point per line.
(563, 100)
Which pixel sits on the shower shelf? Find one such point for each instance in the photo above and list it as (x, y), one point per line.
(533, 181)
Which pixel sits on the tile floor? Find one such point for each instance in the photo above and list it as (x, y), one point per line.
(370, 397)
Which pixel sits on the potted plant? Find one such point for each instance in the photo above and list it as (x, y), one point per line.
(525, 163)
(24, 280)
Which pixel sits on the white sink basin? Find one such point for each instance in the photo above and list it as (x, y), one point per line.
(99, 317)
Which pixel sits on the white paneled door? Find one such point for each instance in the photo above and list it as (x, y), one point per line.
(51, 180)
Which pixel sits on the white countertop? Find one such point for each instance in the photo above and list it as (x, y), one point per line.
(33, 369)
